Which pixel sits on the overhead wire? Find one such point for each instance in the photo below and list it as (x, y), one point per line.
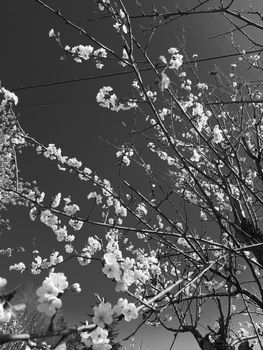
(120, 73)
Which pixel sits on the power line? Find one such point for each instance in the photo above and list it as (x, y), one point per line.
(76, 80)
(120, 73)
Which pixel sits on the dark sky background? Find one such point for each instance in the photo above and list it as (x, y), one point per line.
(68, 115)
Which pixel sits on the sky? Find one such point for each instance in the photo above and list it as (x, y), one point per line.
(68, 115)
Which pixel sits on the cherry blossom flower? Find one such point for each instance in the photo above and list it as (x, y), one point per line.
(103, 314)
(112, 270)
(121, 286)
(99, 336)
(18, 267)
(8, 97)
(130, 312)
(176, 59)
(48, 293)
(71, 209)
(50, 305)
(218, 135)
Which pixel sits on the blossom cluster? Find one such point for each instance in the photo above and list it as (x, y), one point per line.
(50, 293)
(80, 52)
(50, 219)
(176, 59)
(104, 315)
(41, 264)
(201, 134)
(129, 271)
(107, 99)
(125, 153)
(92, 247)
(8, 97)
(83, 53)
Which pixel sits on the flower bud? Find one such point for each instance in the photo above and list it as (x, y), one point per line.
(76, 288)
(3, 282)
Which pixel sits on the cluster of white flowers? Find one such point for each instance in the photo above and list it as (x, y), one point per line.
(195, 156)
(71, 209)
(111, 201)
(141, 210)
(50, 293)
(76, 224)
(176, 59)
(218, 135)
(18, 140)
(128, 271)
(128, 310)
(187, 85)
(107, 99)
(104, 315)
(9, 97)
(126, 153)
(164, 112)
(35, 195)
(119, 209)
(41, 264)
(52, 221)
(121, 23)
(52, 152)
(62, 234)
(92, 247)
(120, 26)
(96, 196)
(18, 267)
(161, 154)
(198, 109)
(49, 219)
(74, 163)
(202, 86)
(80, 52)
(97, 339)
(201, 122)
